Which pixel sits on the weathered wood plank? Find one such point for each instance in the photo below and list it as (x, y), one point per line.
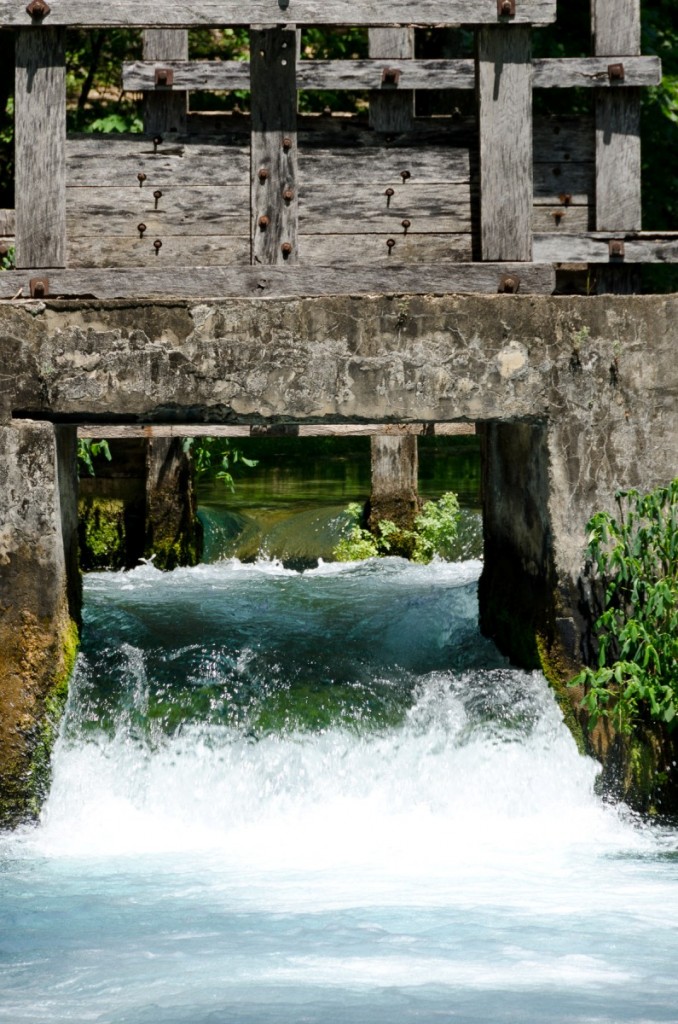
(391, 109)
(643, 247)
(340, 250)
(347, 75)
(274, 199)
(506, 163)
(177, 250)
(94, 160)
(281, 282)
(564, 139)
(113, 431)
(118, 211)
(165, 109)
(7, 222)
(618, 163)
(40, 148)
(561, 220)
(350, 209)
(145, 14)
(576, 181)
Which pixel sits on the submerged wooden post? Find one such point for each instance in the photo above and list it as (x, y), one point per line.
(40, 148)
(395, 468)
(504, 84)
(165, 110)
(391, 109)
(274, 188)
(616, 33)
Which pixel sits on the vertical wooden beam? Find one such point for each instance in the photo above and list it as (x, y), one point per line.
(165, 110)
(274, 198)
(616, 33)
(392, 109)
(40, 147)
(504, 83)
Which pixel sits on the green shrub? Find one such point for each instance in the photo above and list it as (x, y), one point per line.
(434, 528)
(634, 558)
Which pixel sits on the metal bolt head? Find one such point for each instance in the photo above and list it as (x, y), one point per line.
(157, 245)
(286, 249)
(141, 228)
(615, 72)
(506, 8)
(264, 222)
(288, 195)
(38, 287)
(263, 174)
(406, 224)
(157, 194)
(38, 9)
(286, 143)
(390, 242)
(389, 192)
(141, 177)
(616, 247)
(405, 175)
(509, 284)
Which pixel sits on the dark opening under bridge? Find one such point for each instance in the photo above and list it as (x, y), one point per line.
(279, 268)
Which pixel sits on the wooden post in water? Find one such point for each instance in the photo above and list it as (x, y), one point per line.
(616, 32)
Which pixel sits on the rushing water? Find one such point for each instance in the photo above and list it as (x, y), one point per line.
(321, 797)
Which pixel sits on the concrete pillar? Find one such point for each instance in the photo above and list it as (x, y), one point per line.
(395, 467)
(39, 604)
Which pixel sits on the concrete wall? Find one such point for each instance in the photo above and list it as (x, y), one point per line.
(578, 397)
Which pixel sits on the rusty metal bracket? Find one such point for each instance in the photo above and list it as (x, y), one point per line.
(390, 77)
(38, 9)
(615, 72)
(616, 247)
(39, 287)
(506, 8)
(164, 77)
(509, 284)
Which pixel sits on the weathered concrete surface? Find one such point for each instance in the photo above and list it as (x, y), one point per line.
(38, 635)
(582, 391)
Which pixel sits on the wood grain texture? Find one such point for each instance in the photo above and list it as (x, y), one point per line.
(352, 209)
(40, 148)
(211, 210)
(340, 250)
(94, 160)
(121, 431)
(7, 222)
(391, 109)
(281, 282)
(165, 110)
(505, 122)
(547, 73)
(174, 14)
(616, 26)
(273, 174)
(645, 247)
(177, 250)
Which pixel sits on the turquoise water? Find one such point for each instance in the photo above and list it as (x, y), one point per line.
(319, 796)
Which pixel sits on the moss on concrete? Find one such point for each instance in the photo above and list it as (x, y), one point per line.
(558, 672)
(102, 533)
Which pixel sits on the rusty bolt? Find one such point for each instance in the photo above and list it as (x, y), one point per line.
(389, 193)
(615, 72)
(506, 8)
(142, 178)
(264, 221)
(390, 242)
(38, 287)
(286, 249)
(390, 76)
(141, 228)
(558, 216)
(157, 245)
(327, 111)
(406, 224)
(616, 247)
(509, 283)
(405, 175)
(565, 198)
(263, 174)
(288, 195)
(38, 9)
(157, 141)
(157, 195)
(164, 77)
(286, 143)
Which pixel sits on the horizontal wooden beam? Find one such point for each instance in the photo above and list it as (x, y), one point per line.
(603, 247)
(282, 282)
(175, 14)
(549, 73)
(124, 431)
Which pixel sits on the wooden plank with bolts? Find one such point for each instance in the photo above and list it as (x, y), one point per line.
(506, 163)
(594, 247)
(115, 161)
(40, 148)
(213, 210)
(165, 108)
(208, 13)
(391, 109)
(289, 282)
(273, 173)
(361, 74)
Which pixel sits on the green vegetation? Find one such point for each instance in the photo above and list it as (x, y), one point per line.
(88, 449)
(634, 562)
(213, 459)
(7, 258)
(434, 528)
